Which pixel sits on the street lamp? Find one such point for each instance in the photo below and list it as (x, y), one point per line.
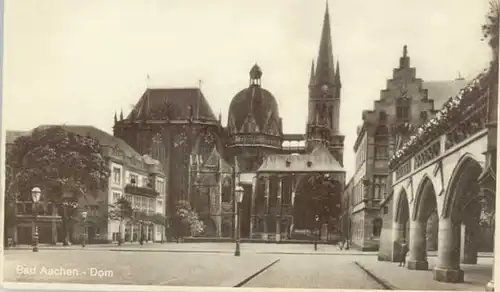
(35, 195)
(238, 192)
(316, 218)
(84, 217)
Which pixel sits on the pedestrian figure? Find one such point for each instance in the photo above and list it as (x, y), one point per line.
(403, 252)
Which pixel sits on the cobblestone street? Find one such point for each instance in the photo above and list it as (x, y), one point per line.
(213, 264)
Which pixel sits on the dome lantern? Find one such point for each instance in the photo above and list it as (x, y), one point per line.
(255, 75)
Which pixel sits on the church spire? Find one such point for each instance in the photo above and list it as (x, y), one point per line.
(325, 73)
(311, 78)
(337, 75)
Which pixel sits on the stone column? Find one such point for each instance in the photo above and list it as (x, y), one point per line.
(448, 266)
(417, 251)
(468, 245)
(252, 204)
(278, 207)
(54, 224)
(266, 209)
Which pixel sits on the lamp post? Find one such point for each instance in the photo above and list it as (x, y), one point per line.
(316, 218)
(35, 195)
(238, 191)
(84, 217)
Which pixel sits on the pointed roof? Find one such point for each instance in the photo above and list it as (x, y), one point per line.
(214, 164)
(324, 66)
(181, 103)
(337, 74)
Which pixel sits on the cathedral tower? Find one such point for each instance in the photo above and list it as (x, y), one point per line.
(324, 98)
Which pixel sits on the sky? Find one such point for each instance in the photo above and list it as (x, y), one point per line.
(77, 62)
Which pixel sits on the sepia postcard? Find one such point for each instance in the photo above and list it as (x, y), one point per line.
(211, 145)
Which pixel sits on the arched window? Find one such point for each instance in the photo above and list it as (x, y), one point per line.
(377, 227)
(381, 143)
(403, 109)
(226, 190)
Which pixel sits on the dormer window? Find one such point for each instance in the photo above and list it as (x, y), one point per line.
(309, 163)
(288, 163)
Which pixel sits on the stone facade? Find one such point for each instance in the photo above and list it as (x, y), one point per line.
(407, 101)
(178, 128)
(136, 177)
(442, 185)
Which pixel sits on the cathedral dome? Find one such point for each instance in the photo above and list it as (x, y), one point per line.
(254, 109)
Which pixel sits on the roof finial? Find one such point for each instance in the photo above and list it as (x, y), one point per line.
(255, 75)
(311, 77)
(121, 115)
(115, 118)
(337, 74)
(405, 51)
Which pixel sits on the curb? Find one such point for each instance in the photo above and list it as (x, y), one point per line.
(248, 279)
(315, 253)
(172, 251)
(383, 283)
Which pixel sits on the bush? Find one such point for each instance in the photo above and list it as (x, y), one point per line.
(186, 221)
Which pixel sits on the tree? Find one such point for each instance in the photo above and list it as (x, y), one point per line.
(186, 221)
(491, 27)
(65, 165)
(325, 196)
(120, 211)
(10, 198)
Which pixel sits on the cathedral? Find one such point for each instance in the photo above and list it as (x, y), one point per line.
(204, 160)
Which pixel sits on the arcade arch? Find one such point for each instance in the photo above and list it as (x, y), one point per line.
(460, 230)
(402, 217)
(425, 206)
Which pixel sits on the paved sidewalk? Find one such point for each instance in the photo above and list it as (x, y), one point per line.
(396, 278)
(223, 248)
(102, 267)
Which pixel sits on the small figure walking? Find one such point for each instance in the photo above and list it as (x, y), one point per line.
(404, 251)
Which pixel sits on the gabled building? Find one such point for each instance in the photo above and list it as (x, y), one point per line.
(139, 178)
(407, 101)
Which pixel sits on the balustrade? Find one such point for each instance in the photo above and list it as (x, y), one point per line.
(403, 169)
(257, 139)
(429, 153)
(26, 208)
(472, 121)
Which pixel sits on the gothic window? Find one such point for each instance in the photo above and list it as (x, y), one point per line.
(156, 148)
(379, 187)
(402, 109)
(377, 227)
(226, 191)
(205, 143)
(381, 143)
